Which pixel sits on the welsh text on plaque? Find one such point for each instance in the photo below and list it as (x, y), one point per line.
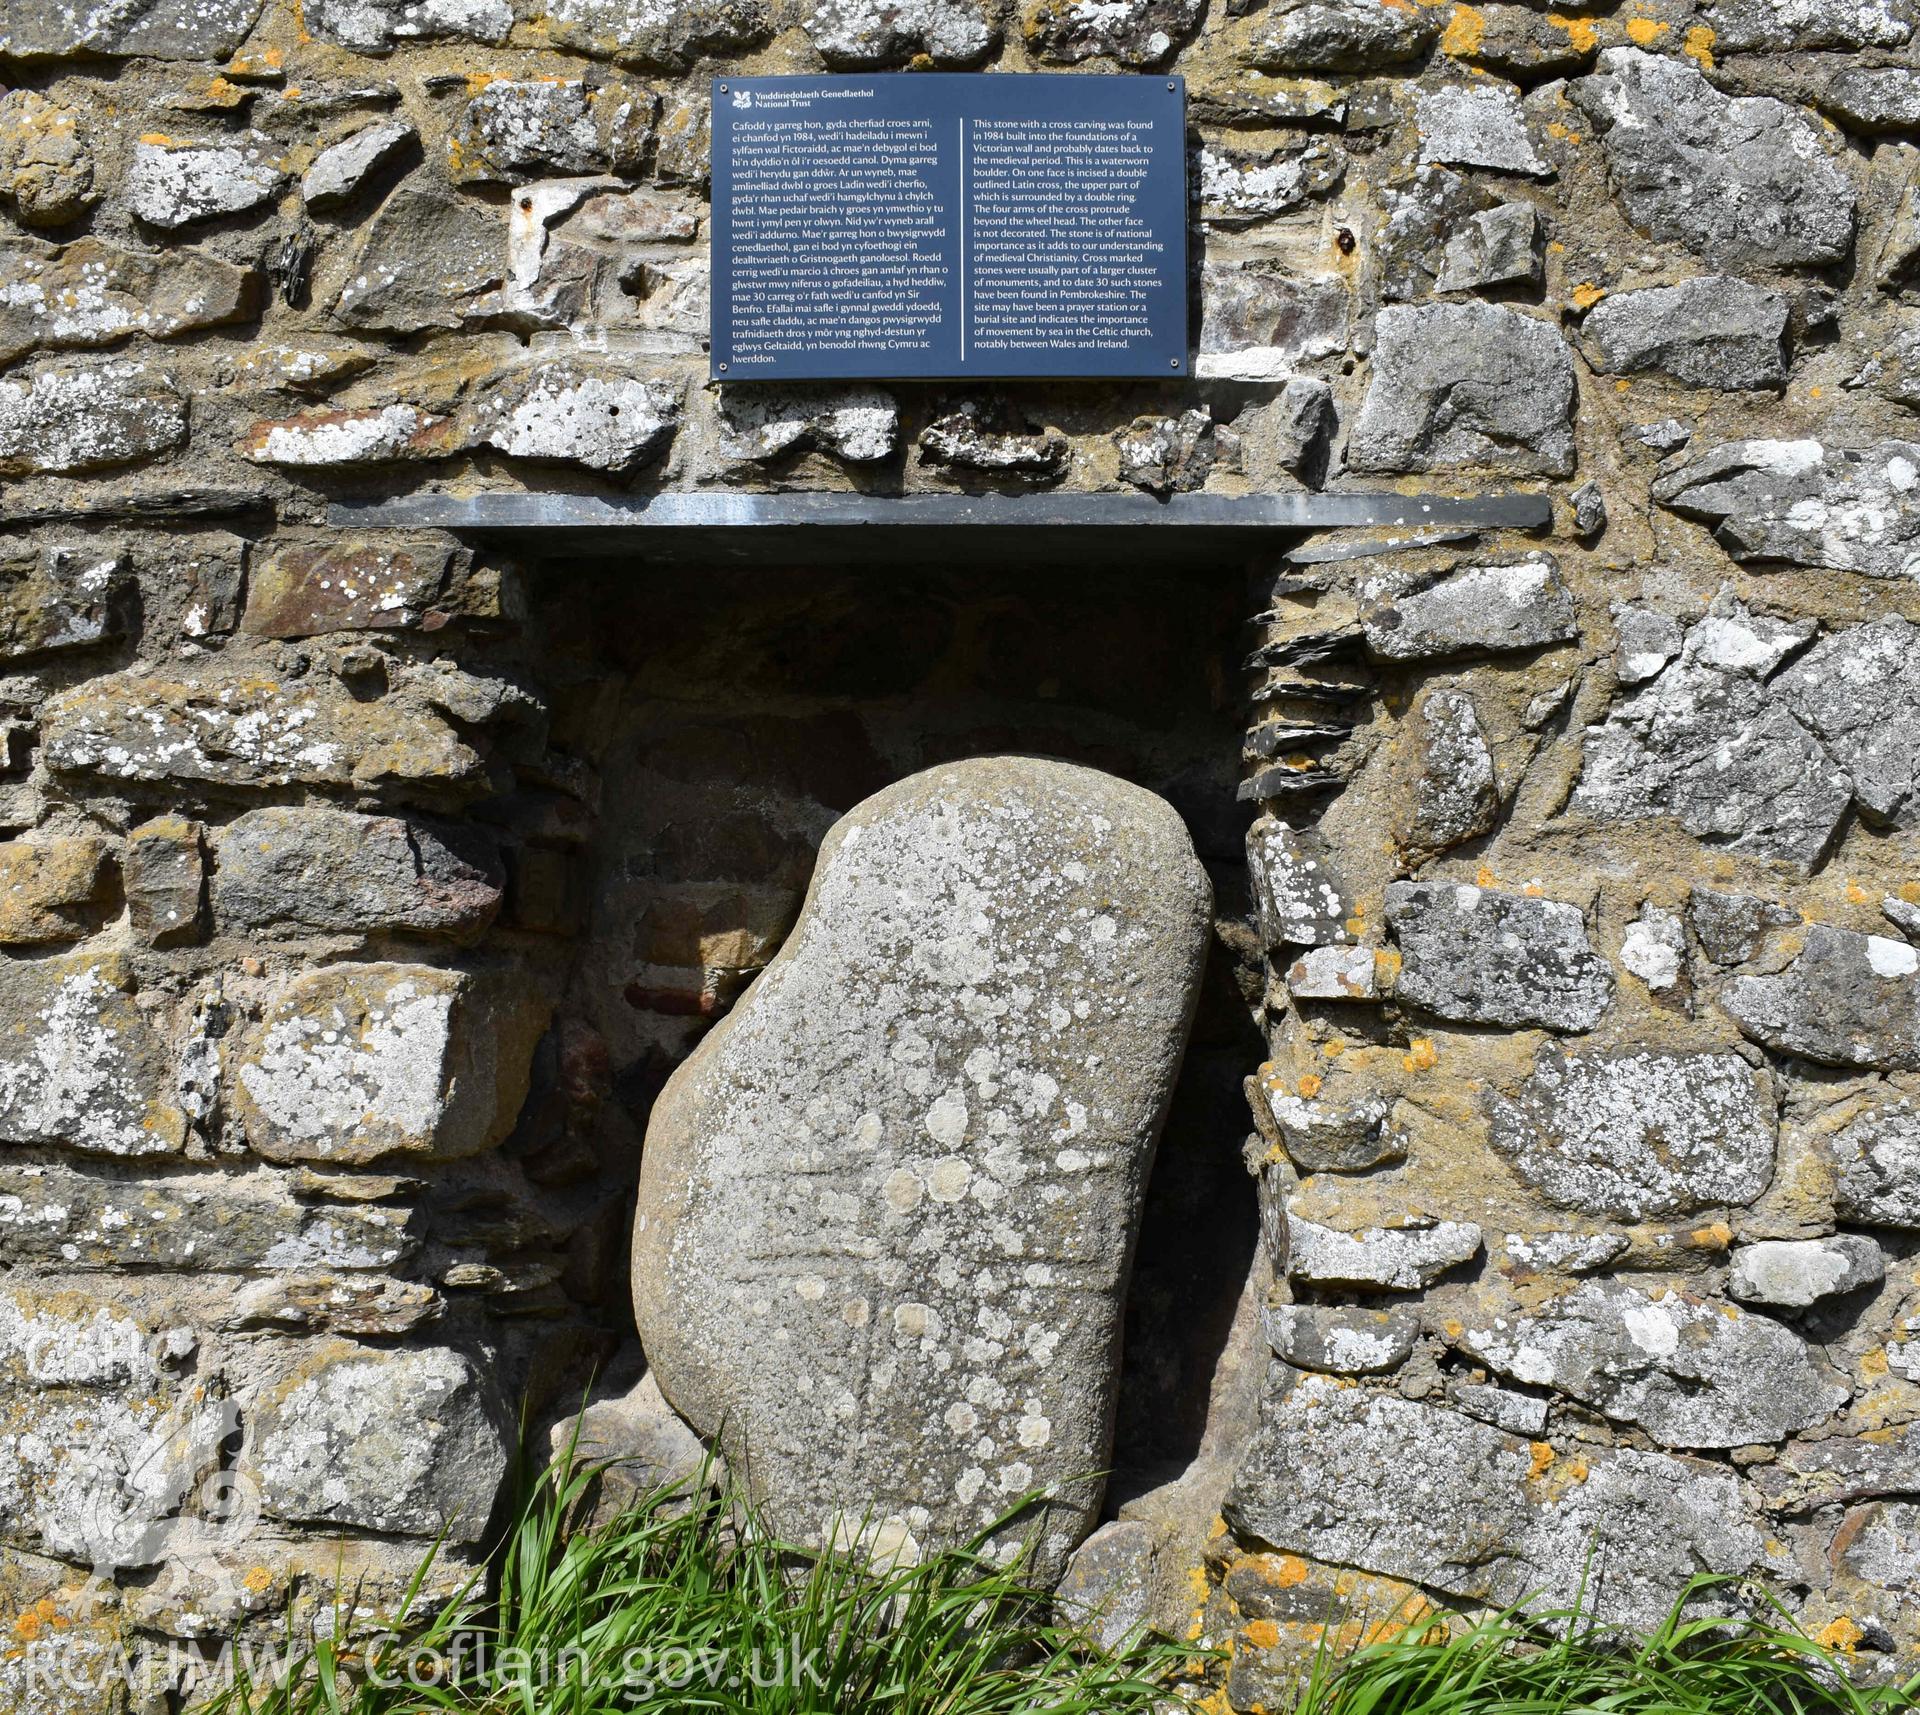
(936, 224)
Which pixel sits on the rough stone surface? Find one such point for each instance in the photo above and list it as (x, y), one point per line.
(87, 417)
(1477, 125)
(600, 418)
(1496, 958)
(1174, 455)
(1334, 973)
(857, 33)
(87, 1070)
(1731, 926)
(379, 26)
(1400, 1259)
(1465, 384)
(658, 34)
(1455, 796)
(176, 184)
(94, 294)
(968, 439)
(163, 872)
(355, 1063)
(859, 424)
(1300, 902)
(1690, 1374)
(1136, 33)
(46, 159)
(51, 889)
(966, 1160)
(1859, 691)
(1499, 246)
(1473, 610)
(1635, 1135)
(1806, 504)
(1333, 35)
(1879, 1159)
(1340, 1341)
(60, 599)
(409, 1442)
(1709, 743)
(1743, 181)
(387, 290)
(338, 173)
(1791, 1274)
(1260, 324)
(1715, 332)
(1774, 26)
(1374, 1481)
(1244, 187)
(1875, 98)
(1846, 999)
(638, 1440)
(165, 30)
(295, 870)
(1106, 1587)
(236, 728)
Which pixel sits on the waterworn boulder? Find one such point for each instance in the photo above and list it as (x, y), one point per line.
(887, 1209)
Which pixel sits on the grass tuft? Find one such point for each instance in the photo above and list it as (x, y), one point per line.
(1537, 1661)
(683, 1604)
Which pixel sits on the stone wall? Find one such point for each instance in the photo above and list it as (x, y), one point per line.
(361, 889)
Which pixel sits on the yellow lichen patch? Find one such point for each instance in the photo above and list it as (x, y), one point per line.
(1386, 965)
(1420, 1055)
(1215, 1531)
(1644, 32)
(1484, 877)
(1561, 134)
(1556, 247)
(1622, 386)
(1261, 1634)
(1454, 1329)
(1356, 925)
(1576, 1470)
(1841, 1634)
(1580, 31)
(1333, 1048)
(1699, 46)
(1586, 295)
(1714, 1236)
(1873, 1363)
(1464, 29)
(1540, 1457)
(1858, 895)
(1310, 1086)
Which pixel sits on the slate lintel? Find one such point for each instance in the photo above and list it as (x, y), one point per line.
(769, 528)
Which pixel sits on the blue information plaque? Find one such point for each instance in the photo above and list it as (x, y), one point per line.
(937, 224)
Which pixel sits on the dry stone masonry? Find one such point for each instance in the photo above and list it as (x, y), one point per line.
(362, 889)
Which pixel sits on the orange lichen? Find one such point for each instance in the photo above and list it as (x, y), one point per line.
(1464, 29)
(1261, 1634)
(1310, 1086)
(1420, 1055)
(1841, 1634)
(1644, 32)
(1586, 295)
(1540, 1459)
(1699, 46)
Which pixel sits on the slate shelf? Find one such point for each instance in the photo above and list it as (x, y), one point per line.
(777, 528)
